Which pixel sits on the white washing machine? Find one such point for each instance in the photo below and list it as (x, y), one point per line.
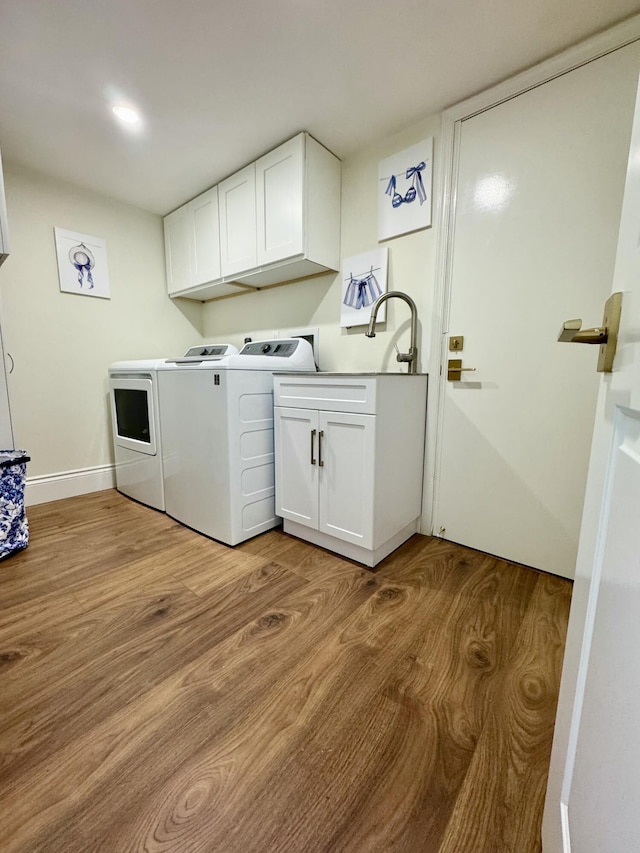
(217, 437)
(135, 417)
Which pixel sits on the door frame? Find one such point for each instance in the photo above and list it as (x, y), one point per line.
(587, 51)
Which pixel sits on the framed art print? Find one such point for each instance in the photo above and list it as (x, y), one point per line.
(82, 264)
(404, 190)
(364, 279)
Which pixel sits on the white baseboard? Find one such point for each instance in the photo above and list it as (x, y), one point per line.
(68, 484)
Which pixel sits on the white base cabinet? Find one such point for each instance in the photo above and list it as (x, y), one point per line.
(349, 455)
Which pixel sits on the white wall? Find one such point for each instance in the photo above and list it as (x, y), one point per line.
(62, 343)
(316, 302)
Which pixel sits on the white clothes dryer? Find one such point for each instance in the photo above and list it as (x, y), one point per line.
(217, 437)
(135, 419)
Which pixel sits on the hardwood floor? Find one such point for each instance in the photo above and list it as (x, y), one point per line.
(162, 692)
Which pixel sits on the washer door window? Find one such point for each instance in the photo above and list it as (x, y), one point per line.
(133, 415)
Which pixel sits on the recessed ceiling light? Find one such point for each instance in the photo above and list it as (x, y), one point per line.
(127, 114)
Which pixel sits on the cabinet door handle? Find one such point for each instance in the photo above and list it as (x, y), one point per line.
(320, 462)
(313, 435)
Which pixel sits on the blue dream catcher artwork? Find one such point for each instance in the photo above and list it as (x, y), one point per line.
(364, 279)
(404, 193)
(82, 264)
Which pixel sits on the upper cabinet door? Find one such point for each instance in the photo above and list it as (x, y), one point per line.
(206, 256)
(237, 205)
(178, 232)
(279, 202)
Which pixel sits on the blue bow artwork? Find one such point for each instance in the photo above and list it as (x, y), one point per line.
(405, 196)
(361, 292)
(84, 262)
(414, 173)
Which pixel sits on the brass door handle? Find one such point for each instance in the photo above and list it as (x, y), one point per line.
(455, 368)
(605, 335)
(320, 461)
(313, 435)
(590, 336)
(572, 332)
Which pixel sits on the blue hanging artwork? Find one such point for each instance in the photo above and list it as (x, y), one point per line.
(416, 188)
(404, 178)
(84, 262)
(362, 292)
(364, 280)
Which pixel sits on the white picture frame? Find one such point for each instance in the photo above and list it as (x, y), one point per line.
(363, 279)
(82, 264)
(404, 190)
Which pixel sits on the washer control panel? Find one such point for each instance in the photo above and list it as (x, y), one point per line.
(215, 350)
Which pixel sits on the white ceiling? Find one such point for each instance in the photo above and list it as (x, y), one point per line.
(221, 83)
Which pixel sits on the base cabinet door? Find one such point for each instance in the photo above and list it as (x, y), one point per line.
(296, 448)
(346, 490)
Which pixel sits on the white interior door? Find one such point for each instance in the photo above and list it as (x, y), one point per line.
(597, 742)
(539, 189)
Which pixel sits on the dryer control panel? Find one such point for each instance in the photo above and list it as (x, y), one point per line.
(281, 348)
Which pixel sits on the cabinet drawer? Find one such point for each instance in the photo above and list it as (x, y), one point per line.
(348, 394)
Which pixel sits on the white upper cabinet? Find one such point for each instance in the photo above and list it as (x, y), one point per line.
(278, 221)
(178, 250)
(206, 248)
(237, 202)
(4, 236)
(279, 202)
(192, 249)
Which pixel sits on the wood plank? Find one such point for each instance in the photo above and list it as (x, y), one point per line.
(311, 562)
(210, 565)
